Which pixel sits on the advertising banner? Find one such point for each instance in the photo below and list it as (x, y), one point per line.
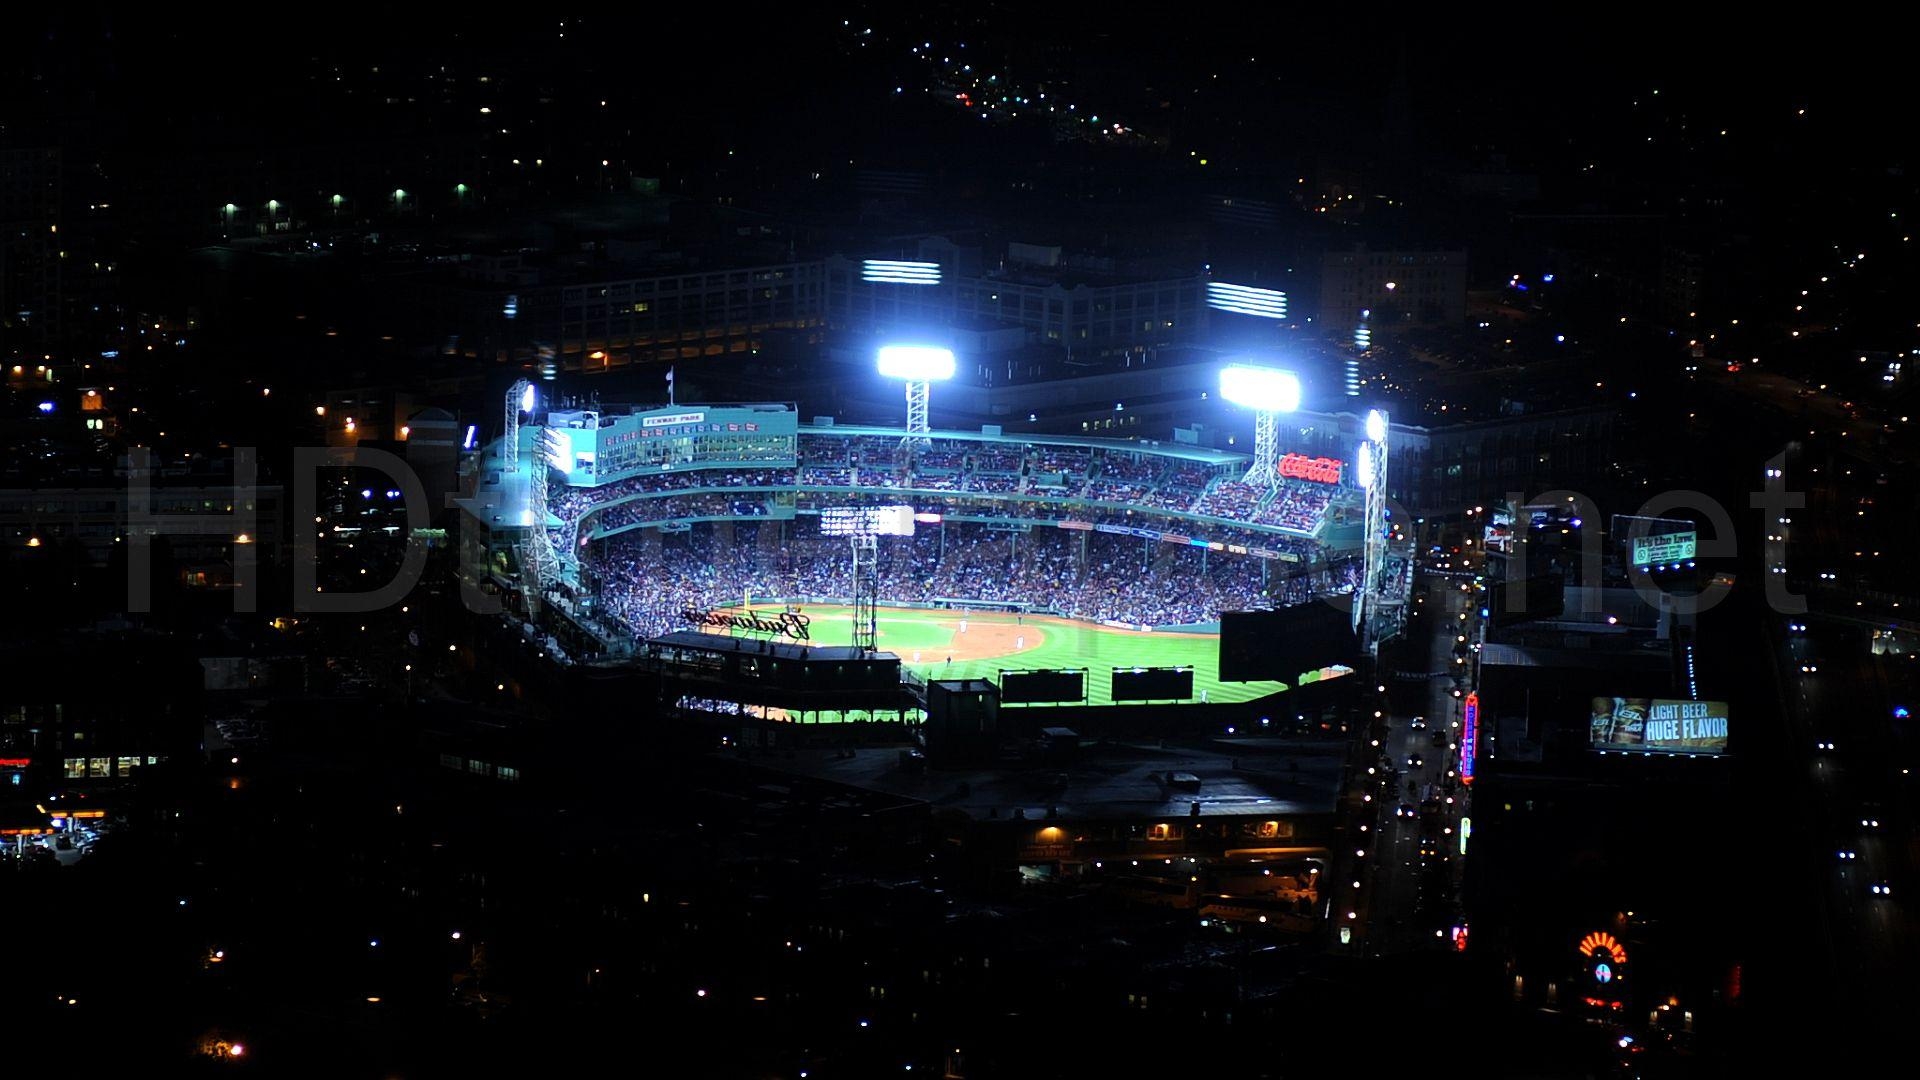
(1659, 725)
(1668, 548)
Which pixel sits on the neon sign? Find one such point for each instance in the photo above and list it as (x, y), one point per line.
(1469, 736)
(1606, 962)
(1597, 943)
(1326, 470)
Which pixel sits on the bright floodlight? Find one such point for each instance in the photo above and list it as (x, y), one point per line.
(918, 363)
(1247, 300)
(526, 399)
(1264, 389)
(1376, 425)
(898, 272)
(1364, 463)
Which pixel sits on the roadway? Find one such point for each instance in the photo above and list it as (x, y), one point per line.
(1411, 884)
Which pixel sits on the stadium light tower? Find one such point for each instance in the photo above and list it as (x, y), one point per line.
(1371, 464)
(520, 399)
(1268, 392)
(920, 366)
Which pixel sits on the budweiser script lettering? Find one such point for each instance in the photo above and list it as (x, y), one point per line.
(788, 623)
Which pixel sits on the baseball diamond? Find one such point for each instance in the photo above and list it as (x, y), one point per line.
(931, 643)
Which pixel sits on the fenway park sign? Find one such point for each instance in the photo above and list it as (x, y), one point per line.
(1301, 467)
(786, 624)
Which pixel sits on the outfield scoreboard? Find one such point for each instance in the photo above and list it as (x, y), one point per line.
(1152, 684)
(866, 521)
(1051, 685)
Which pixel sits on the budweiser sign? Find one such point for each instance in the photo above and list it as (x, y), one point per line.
(786, 623)
(1301, 467)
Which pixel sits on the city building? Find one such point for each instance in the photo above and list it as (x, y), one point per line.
(30, 245)
(88, 509)
(1393, 289)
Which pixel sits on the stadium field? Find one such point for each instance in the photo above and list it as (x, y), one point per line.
(935, 644)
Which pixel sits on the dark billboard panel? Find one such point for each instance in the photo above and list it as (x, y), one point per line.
(1659, 725)
(1256, 646)
(1029, 687)
(1152, 684)
(1541, 596)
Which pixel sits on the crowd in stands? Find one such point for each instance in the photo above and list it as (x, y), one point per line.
(1294, 504)
(997, 483)
(949, 459)
(998, 461)
(1297, 505)
(965, 468)
(1231, 499)
(828, 452)
(826, 475)
(677, 508)
(872, 449)
(1129, 468)
(645, 579)
(1060, 459)
(1180, 488)
(567, 503)
(1101, 489)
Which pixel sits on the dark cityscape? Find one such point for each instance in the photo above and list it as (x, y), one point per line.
(967, 541)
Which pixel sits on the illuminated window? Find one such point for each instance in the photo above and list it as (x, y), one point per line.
(1161, 831)
(508, 772)
(124, 766)
(99, 767)
(76, 768)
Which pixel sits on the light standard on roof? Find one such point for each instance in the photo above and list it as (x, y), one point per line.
(1268, 392)
(1371, 465)
(520, 399)
(919, 366)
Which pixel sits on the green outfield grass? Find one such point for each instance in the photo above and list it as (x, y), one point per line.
(995, 640)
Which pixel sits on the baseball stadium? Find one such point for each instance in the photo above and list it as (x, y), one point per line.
(648, 533)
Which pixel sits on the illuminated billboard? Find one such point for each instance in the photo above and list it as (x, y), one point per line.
(866, 520)
(1325, 470)
(1469, 741)
(1671, 547)
(1659, 725)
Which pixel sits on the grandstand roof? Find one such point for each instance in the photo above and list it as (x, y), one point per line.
(1115, 780)
(500, 499)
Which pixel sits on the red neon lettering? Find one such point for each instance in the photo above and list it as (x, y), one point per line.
(1301, 467)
